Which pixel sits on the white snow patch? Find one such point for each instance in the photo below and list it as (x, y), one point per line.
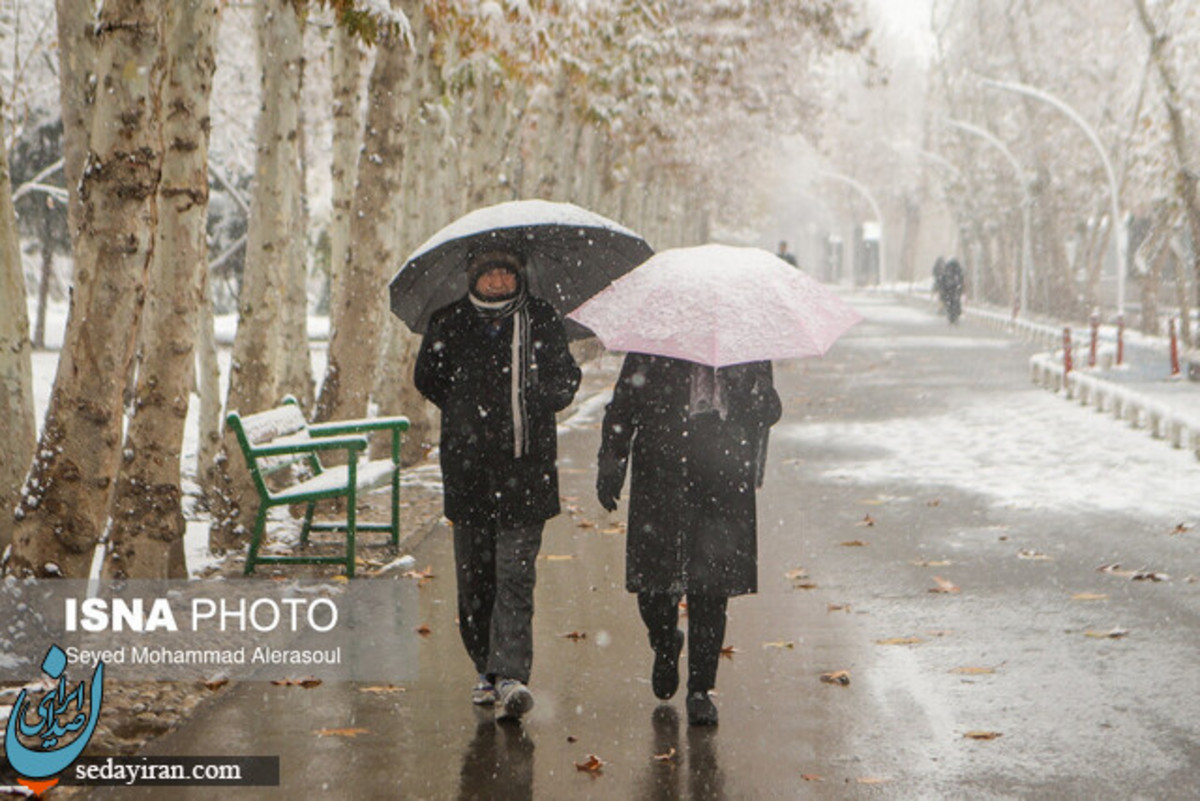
(1026, 450)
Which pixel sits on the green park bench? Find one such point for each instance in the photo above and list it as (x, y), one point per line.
(281, 448)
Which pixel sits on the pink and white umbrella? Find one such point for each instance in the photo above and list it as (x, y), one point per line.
(717, 305)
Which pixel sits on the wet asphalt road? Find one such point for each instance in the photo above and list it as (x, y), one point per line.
(1074, 716)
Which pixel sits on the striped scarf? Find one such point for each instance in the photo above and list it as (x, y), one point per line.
(520, 358)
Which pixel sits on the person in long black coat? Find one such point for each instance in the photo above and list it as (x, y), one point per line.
(694, 437)
(497, 365)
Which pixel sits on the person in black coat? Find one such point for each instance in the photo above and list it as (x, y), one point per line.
(695, 437)
(497, 365)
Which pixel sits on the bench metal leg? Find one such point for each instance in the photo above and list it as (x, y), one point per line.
(307, 526)
(260, 522)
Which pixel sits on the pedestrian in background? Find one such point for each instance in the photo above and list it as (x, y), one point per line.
(497, 365)
(689, 434)
(783, 253)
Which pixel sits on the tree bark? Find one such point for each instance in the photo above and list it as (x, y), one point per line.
(346, 69)
(354, 342)
(65, 501)
(257, 347)
(18, 425)
(147, 518)
(77, 54)
(295, 371)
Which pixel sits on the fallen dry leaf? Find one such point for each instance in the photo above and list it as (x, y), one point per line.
(340, 732)
(382, 689)
(982, 735)
(867, 521)
(575, 635)
(796, 573)
(1089, 596)
(837, 607)
(812, 777)
(307, 683)
(805, 585)
(1149, 576)
(841, 677)
(873, 780)
(1112, 634)
(593, 764)
(1115, 569)
(900, 641)
(215, 684)
(571, 738)
(585, 524)
(615, 528)
(933, 563)
(934, 502)
(670, 756)
(728, 651)
(944, 586)
(1026, 553)
(854, 544)
(973, 671)
(557, 557)
(779, 644)
(424, 630)
(1182, 528)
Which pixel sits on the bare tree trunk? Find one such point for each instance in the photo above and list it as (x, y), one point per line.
(354, 343)
(295, 371)
(346, 71)
(208, 386)
(257, 358)
(77, 53)
(43, 296)
(147, 517)
(66, 498)
(18, 424)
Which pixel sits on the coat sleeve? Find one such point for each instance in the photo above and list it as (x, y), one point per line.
(764, 399)
(622, 417)
(432, 373)
(558, 375)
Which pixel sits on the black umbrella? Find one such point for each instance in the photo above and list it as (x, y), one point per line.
(570, 254)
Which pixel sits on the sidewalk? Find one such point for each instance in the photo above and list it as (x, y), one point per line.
(1142, 392)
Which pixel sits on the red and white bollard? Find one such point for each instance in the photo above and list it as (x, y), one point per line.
(1120, 339)
(1094, 322)
(1067, 364)
(1174, 349)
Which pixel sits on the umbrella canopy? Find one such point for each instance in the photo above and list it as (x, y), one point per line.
(717, 305)
(571, 254)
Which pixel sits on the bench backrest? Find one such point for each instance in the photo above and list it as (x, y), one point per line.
(265, 427)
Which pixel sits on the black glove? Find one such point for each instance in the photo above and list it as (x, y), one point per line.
(608, 488)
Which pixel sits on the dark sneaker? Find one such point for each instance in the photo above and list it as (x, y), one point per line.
(513, 699)
(484, 693)
(701, 711)
(664, 676)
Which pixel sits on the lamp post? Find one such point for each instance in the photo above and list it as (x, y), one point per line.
(1026, 205)
(866, 193)
(1118, 230)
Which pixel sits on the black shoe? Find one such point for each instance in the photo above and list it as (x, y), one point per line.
(701, 711)
(513, 700)
(664, 677)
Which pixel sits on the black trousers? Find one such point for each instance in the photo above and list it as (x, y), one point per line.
(496, 573)
(705, 636)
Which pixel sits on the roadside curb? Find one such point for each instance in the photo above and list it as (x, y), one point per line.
(1180, 429)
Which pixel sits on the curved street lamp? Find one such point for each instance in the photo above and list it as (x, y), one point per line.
(1026, 205)
(1118, 229)
(866, 193)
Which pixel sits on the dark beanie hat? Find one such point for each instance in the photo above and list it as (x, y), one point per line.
(492, 260)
